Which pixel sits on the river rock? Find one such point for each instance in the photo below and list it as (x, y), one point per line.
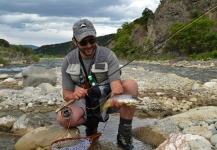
(4, 76)
(6, 92)
(42, 137)
(10, 81)
(29, 121)
(7, 122)
(47, 88)
(157, 132)
(34, 76)
(185, 142)
(18, 76)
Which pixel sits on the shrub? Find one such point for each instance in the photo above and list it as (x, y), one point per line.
(35, 58)
(3, 61)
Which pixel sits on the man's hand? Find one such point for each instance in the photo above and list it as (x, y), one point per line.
(79, 93)
(74, 95)
(115, 104)
(116, 88)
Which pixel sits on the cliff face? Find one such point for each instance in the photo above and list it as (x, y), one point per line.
(170, 11)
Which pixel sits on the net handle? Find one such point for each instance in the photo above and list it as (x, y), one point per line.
(95, 135)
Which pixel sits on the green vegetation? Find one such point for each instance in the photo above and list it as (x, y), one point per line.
(4, 43)
(8, 52)
(124, 46)
(146, 14)
(35, 58)
(3, 61)
(197, 40)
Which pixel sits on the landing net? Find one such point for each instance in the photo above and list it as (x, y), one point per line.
(77, 143)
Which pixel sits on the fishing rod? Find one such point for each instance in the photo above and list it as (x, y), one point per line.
(149, 52)
(157, 45)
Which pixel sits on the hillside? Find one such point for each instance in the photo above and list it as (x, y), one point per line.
(183, 11)
(64, 48)
(31, 46)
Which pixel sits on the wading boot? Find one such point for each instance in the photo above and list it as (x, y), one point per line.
(125, 141)
(91, 126)
(124, 138)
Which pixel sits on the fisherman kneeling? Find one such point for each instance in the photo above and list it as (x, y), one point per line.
(82, 69)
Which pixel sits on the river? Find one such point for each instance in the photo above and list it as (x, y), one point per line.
(203, 75)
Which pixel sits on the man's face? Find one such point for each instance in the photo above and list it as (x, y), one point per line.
(87, 46)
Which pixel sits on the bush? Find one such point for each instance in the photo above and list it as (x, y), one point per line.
(25, 50)
(3, 61)
(205, 55)
(196, 38)
(35, 58)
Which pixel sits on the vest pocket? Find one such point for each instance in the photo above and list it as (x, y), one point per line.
(100, 70)
(74, 71)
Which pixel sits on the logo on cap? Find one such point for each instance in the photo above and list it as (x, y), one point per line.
(83, 25)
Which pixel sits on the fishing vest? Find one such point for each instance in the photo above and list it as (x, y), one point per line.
(99, 66)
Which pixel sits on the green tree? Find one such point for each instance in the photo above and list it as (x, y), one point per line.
(198, 37)
(123, 40)
(146, 14)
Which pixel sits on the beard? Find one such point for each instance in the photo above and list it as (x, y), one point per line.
(88, 52)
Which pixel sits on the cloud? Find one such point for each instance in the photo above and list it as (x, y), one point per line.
(48, 22)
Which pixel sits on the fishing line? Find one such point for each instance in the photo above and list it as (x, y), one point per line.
(157, 45)
(149, 51)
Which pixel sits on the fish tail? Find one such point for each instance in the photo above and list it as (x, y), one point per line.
(105, 106)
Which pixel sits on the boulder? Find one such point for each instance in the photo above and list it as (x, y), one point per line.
(157, 132)
(42, 137)
(185, 142)
(34, 76)
(30, 121)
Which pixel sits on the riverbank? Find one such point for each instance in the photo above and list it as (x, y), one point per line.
(167, 93)
(162, 94)
(205, 64)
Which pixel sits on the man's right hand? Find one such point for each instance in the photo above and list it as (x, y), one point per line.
(76, 95)
(79, 93)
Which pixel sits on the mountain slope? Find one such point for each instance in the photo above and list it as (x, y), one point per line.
(65, 48)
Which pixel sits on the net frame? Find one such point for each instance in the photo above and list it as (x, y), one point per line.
(76, 142)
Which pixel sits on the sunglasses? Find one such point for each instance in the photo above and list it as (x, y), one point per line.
(84, 42)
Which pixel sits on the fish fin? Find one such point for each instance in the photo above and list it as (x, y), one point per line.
(106, 105)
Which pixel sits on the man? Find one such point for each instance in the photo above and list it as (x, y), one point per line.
(92, 64)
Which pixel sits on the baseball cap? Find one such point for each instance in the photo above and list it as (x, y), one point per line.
(82, 29)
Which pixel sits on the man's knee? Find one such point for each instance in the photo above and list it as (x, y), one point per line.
(129, 83)
(130, 87)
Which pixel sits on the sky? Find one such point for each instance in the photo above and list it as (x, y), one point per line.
(44, 22)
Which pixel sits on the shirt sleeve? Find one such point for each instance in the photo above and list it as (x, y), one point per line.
(67, 83)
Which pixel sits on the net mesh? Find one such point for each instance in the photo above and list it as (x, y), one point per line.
(80, 143)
